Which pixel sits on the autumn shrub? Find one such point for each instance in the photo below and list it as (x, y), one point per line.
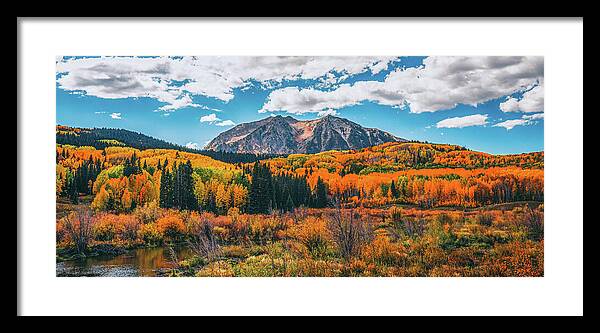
(484, 219)
(314, 234)
(107, 227)
(414, 226)
(239, 231)
(264, 229)
(171, 227)
(202, 239)
(466, 257)
(383, 252)
(395, 215)
(515, 259)
(356, 267)
(440, 234)
(314, 268)
(234, 251)
(189, 265)
(78, 227)
(534, 222)
(445, 219)
(150, 234)
(233, 212)
(434, 256)
(416, 251)
(148, 213)
(131, 226)
(349, 232)
(219, 268)
(259, 266)
(61, 232)
(396, 225)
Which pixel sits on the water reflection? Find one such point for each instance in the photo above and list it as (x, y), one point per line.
(138, 262)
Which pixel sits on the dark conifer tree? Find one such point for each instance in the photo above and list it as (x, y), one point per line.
(394, 190)
(165, 190)
(260, 197)
(320, 194)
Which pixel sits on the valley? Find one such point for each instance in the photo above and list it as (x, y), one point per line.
(395, 208)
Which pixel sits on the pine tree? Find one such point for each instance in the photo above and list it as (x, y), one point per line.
(394, 190)
(72, 191)
(165, 190)
(260, 197)
(320, 194)
(189, 199)
(289, 204)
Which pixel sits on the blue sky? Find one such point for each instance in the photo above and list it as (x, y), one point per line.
(490, 104)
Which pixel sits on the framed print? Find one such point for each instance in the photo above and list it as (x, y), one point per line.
(328, 161)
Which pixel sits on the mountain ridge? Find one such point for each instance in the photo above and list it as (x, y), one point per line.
(287, 135)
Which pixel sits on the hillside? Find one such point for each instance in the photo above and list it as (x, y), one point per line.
(101, 138)
(396, 156)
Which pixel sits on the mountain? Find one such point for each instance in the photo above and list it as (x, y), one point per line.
(286, 135)
(101, 138)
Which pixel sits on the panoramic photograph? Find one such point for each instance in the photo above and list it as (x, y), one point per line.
(299, 166)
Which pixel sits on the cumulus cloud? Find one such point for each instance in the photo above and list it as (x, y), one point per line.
(178, 103)
(534, 116)
(298, 101)
(329, 112)
(460, 122)
(192, 145)
(225, 123)
(440, 83)
(173, 80)
(209, 118)
(207, 108)
(116, 115)
(531, 101)
(213, 119)
(523, 121)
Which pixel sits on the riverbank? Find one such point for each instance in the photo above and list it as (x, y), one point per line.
(138, 262)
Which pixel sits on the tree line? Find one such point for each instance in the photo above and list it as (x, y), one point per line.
(81, 179)
(266, 191)
(101, 138)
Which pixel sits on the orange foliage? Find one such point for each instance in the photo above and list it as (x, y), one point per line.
(171, 226)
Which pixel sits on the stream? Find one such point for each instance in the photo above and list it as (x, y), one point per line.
(136, 262)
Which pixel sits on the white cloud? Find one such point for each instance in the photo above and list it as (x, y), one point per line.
(441, 83)
(225, 123)
(174, 80)
(523, 121)
(460, 122)
(298, 101)
(531, 101)
(212, 109)
(192, 145)
(100, 112)
(328, 112)
(510, 124)
(213, 119)
(184, 101)
(116, 115)
(534, 116)
(209, 118)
